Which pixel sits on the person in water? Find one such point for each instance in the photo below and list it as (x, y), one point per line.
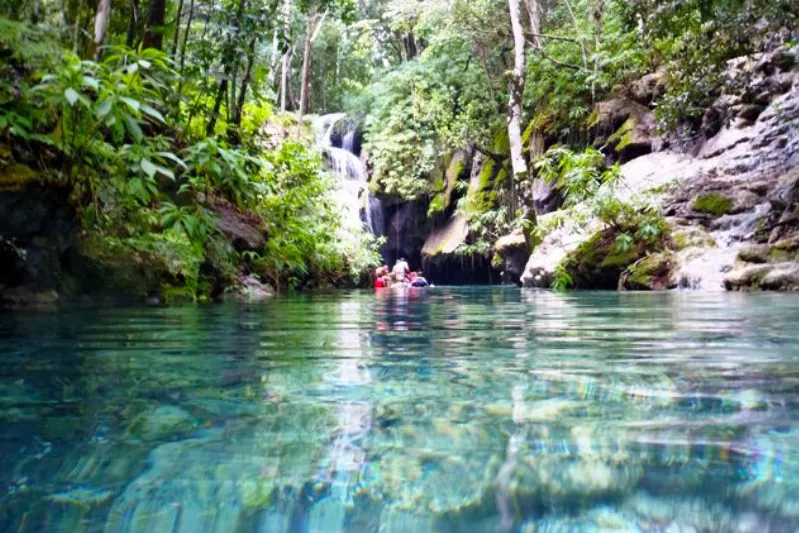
(401, 270)
(417, 280)
(382, 279)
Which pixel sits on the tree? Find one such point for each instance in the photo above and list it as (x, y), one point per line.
(101, 22)
(516, 91)
(315, 22)
(154, 31)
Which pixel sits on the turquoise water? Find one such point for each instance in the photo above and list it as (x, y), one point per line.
(484, 409)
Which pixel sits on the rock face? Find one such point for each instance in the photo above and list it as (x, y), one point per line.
(741, 188)
(38, 228)
(625, 128)
(244, 232)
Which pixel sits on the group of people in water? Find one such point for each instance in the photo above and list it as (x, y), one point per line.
(400, 274)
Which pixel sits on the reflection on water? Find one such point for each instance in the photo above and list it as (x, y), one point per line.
(481, 409)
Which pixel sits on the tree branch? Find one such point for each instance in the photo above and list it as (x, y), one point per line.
(559, 63)
(528, 34)
(499, 158)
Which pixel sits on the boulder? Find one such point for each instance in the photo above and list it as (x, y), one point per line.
(546, 196)
(245, 231)
(249, 289)
(163, 422)
(650, 87)
(624, 127)
(652, 273)
(511, 253)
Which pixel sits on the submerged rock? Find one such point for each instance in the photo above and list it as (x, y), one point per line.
(161, 423)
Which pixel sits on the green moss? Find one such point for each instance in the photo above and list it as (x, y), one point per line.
(15, 175)
(599, 263)
(624, 135)
(693, 238)
(712, 203)
(650, 273)
(501, 143)
(179, 294)
(486, 174)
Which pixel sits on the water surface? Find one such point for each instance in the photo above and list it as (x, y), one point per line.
(479, 409)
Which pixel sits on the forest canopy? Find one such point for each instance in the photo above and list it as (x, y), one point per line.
(160, 114)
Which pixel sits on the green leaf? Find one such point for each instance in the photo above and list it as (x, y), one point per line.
(135, 105)
(103, 108)
(166, 172)
(172, 157)
(133, 127)
(148, 167)
(94, 83)
(151, 111)
(71, 95)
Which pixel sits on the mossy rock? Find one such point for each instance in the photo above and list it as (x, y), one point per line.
(694, 237)
(712, 203)
(599, 263)
(16, 175)
(444, 183)
(754, 253)
(652, 273)
(162, 266)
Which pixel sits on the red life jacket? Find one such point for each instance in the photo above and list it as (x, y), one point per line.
(380, 283)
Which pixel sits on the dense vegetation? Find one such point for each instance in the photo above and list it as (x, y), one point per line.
(161, 115)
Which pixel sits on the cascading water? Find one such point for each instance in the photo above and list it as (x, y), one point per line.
(354, 194)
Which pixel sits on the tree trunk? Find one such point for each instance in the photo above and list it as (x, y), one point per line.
(534, 11)
(186, 37)
(176, 35)
(598, 14)
(314, 26)
(132, 23)
(209, 130)
(305, 87)
(409, 45)
(100, 27)
(274, 60)
(153, 34)
(286, 63)
(516, 91)
(238, 111)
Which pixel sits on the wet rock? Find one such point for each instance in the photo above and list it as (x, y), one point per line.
(249, 289)
(754, 253)
(447, 239)
(538, 478)
(652, 273)
(249, 474)
(747, 278)
(38, 232)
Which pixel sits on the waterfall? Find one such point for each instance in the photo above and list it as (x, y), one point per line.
(354, 194)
